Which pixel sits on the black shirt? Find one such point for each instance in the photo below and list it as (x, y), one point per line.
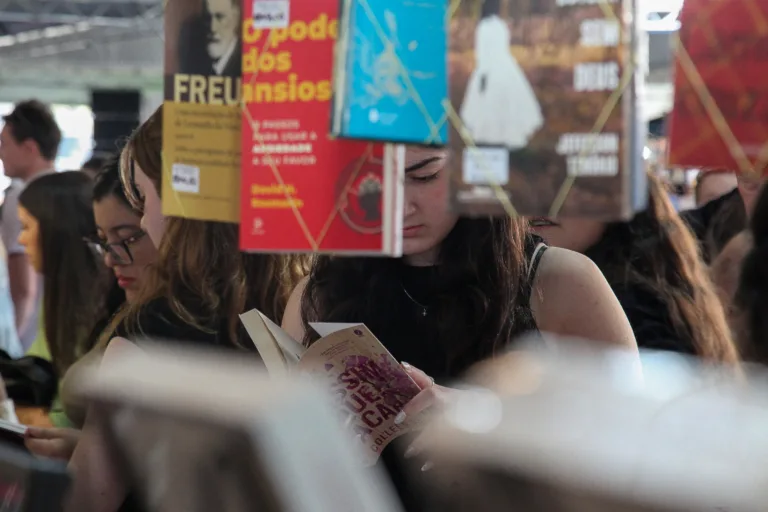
(651, 322)
(701, 219)
(158, 322)
(412, 340)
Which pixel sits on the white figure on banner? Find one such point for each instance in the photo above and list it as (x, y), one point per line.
(500, 106)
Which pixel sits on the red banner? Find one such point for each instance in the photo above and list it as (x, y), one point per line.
(720, 113)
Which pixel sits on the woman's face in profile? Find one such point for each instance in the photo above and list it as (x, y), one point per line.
(29, 238)
(427, 218)
(131, 250)
(153, 221)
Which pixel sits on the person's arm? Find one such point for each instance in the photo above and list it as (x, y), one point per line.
(571, 298)
(97, 484)
(22, 279)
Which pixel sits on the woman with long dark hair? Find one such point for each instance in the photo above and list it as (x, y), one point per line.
(464, 290)
(56, 214)
(127, 251)
(654, 266)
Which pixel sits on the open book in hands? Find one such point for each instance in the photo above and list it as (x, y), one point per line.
(370, 385)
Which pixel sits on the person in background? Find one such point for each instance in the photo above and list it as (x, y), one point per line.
(715, 223)
(463, 292)
(192, 295)
(653, 265)
(713, 184)
(751, 297)
(732, 219)
(93, 166)
(9, 337)
(128, 252)
(29, 142)
(726, 273)
(56, 215)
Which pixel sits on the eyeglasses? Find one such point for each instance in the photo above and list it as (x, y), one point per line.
(120, 251)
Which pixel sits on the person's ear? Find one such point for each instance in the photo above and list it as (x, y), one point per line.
(29, 146)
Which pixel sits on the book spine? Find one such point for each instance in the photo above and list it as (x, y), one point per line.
(394, 175)
(634, 188)
(341, 63)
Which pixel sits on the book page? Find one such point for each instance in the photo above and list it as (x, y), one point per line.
(327, 328)
(371, 385)
(13, 428)
(277, 348)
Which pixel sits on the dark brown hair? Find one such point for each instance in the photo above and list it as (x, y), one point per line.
(76, 280)
(200, 269)
(479, 307)
(657, 251)
(34, 120)
(752, 293)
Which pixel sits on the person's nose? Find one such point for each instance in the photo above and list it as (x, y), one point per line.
(409, 206)
(109, 259)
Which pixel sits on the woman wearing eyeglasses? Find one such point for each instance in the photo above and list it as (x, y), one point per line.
(126, 248)
(127, 251)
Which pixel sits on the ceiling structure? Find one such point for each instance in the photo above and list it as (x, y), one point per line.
(59, 49)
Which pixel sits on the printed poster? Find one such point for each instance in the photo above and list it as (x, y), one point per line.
(303, 191)
(720, 113)
(529, 82)
(201, 111)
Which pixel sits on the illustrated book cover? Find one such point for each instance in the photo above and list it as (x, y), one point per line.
(391, 71)
(371, 386)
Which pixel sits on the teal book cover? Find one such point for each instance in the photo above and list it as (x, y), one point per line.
(392, 71)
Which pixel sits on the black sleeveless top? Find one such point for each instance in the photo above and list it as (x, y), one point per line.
(410, 341)
(158, 322)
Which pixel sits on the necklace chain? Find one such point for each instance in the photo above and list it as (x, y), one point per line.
(422, 306)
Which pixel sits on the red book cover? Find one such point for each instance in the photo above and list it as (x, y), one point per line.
(720, 113)
(301, 190)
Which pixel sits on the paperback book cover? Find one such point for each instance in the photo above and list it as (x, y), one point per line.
(391, 71)
(303, 191)
(544, 108)
(201, 111)
(370, 385)
(720, 114)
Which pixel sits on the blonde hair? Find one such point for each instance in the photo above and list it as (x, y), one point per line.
(200, 270)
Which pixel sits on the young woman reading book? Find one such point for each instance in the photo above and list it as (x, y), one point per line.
(194, 293)
(464, 290)
(56, 214)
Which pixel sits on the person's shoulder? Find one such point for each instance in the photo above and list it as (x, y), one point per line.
(561, 273)
(559, 267)
(12, 194)
(572, 298)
